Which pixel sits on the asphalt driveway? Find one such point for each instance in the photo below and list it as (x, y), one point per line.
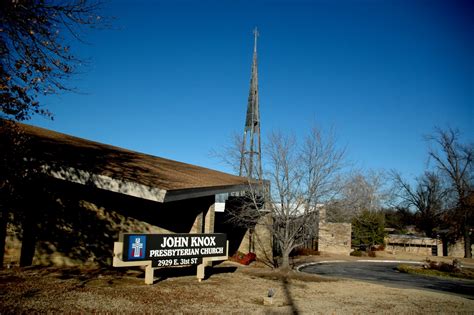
(385, 273)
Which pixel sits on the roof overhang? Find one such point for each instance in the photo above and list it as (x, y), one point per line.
(134, 189)
(81, 161)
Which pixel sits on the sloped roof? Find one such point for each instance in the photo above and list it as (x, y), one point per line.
(108, 167)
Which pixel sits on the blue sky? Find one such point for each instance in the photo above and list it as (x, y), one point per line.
(171, 78)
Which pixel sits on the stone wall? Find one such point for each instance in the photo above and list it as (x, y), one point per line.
(457, 249)
(259, 241)
(334, 238)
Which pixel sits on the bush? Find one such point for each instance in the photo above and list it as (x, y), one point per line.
(447, 267)
(403, 268)
(248, 259)
(356, 253)
(244, 259)
(237, 256)
(371, 253)
(439, 269)
(442, 266)
(375, 248)
(304, 251)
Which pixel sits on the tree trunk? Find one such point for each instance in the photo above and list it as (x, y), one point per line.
(467, 243)
(3, 234)
(28, 242)
(285, 263)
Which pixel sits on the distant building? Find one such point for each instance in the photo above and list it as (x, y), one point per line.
(413, 244)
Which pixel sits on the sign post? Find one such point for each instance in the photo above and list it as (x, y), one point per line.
(167, 250)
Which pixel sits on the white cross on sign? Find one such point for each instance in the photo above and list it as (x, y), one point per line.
(137, 246)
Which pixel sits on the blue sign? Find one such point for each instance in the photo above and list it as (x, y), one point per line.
(136, 247)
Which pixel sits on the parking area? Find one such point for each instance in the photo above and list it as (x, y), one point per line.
(385, 273)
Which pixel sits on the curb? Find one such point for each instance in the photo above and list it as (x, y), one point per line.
(360, 260)
(393, 261)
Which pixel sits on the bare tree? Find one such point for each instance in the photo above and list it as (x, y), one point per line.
(454, 160)
(399, 217)
(35, 59)
(230, 154)
(427, 199)
(359, 192)
(300, 177)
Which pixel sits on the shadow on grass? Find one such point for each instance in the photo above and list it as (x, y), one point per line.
(166, 273)
(287, 279)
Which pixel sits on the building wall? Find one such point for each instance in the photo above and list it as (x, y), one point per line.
(413, 249)
(77, 224)
(334, 238)
(257, 239)
(423, 246)
(457, 249)
(415, 245)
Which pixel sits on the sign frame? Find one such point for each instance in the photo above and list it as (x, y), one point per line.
(168, 250)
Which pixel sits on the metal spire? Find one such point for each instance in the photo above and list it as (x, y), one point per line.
(250, 161)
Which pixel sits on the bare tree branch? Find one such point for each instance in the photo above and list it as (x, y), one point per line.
(300, 176)
(34, 60)
(454, 160)
(428, 199)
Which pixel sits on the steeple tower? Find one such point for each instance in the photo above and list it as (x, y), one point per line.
(251, 157)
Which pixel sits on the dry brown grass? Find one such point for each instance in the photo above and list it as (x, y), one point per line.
(228, 290)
